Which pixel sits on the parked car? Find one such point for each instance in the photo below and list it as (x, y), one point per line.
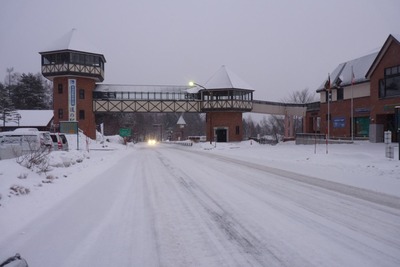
(59, 142)
(16, 143)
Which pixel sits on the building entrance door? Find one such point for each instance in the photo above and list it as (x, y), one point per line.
(221, 135)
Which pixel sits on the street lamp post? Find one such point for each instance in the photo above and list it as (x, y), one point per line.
(208, 114)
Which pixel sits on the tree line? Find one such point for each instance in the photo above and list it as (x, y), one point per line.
(273, 126)
(25, 92)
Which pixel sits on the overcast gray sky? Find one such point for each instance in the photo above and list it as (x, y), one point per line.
(278, 47)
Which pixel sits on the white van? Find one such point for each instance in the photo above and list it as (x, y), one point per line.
(16, 143)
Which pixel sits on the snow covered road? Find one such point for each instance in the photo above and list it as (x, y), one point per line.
(173, 206)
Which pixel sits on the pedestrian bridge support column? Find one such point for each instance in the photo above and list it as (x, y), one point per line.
(289, 126)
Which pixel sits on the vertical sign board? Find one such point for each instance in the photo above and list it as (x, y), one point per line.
(72, 99)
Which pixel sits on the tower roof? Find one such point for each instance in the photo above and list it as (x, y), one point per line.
(224, 78)
(73, 40)
(181, 121)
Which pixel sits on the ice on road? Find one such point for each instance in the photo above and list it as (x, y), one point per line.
(168, 206)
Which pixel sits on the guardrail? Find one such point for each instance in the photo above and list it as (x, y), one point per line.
(310, 139)
(182, 143)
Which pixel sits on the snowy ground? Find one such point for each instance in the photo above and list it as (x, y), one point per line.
(240, 204)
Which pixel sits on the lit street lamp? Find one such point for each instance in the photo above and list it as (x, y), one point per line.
(202, 99)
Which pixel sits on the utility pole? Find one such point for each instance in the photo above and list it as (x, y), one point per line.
(9, 71)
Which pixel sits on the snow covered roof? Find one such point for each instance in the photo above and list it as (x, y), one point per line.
(140, 88)
(181, 121)
(343, 71)
(362, 67)
(31, 118)
(224, 78)
(382, 52)
(73, 40)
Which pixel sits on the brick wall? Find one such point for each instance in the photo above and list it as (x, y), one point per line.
(60, 101)
(390, 59)
(342, 108)
(228, 120)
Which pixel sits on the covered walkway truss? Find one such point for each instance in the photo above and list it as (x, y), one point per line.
(160, 99)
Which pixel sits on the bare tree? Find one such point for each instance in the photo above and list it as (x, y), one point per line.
(301, 97)
(304, 96)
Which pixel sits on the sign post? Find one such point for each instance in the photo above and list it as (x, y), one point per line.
(125, 132)
(70, 127)
(397, 125)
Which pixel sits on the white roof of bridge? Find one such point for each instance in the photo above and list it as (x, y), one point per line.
(140, 88)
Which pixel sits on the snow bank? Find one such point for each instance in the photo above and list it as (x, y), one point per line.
(361, 164)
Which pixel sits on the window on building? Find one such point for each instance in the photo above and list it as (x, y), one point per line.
(81, 114)
(81, 93)
(326, 96)
(339, 93)
(60, 88)
(328, 117)
(361, 126)
(390, 85)
(60, 113)
(237, 130)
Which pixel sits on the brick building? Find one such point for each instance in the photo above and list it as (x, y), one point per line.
(74, 67)
(359, 97)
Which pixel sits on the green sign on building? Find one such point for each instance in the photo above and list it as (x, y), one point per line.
(69, 127)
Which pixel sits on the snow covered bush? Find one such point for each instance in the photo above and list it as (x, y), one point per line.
(22, 176)
(60, 159)
(49, 179)
(19, 190)
(37, 158)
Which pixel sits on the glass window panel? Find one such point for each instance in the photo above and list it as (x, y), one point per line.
(381, 88)
(393, 86)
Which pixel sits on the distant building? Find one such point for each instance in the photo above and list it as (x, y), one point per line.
(363, 95)
(40, 119)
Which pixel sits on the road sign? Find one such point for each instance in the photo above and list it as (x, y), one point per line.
(69, 127)
(125, 132)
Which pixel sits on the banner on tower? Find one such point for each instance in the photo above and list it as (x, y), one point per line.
(72, 99)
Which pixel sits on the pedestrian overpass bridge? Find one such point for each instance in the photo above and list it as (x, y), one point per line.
(176, 99)
(159, 99)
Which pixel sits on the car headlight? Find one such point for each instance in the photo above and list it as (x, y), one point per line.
(151, 142)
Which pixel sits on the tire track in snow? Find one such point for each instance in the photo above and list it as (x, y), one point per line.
(368, 195)
(380, 202)
(231, 228)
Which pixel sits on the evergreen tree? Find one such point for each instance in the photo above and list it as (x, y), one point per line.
(7, 111)
(30, 93)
